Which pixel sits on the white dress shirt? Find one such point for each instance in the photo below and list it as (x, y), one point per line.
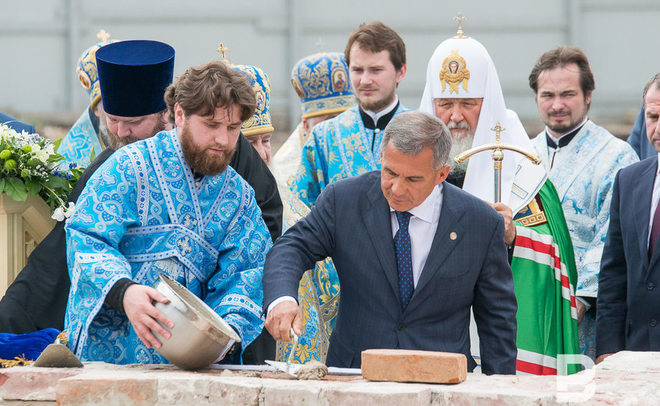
(422, 227)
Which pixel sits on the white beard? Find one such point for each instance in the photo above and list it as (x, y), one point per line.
(458, 146)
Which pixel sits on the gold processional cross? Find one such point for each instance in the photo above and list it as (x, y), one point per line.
(498, 157)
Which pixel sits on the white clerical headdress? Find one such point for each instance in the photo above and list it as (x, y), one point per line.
(461, 67)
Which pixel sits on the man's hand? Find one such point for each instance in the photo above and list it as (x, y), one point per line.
(281, 318)
(509, 227)
(144, 316)
(581, 310)
(602, 357)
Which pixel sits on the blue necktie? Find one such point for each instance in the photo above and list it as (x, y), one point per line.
(404, 258)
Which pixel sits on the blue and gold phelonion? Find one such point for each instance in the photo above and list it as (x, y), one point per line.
(321, 82)
(260, 122)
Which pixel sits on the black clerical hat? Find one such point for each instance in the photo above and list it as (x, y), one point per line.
(133, 76)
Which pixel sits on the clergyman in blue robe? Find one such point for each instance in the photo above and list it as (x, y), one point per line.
(169, 204)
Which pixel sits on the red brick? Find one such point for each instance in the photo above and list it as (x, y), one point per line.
(31, 383)
(413, 366)
(107, 391)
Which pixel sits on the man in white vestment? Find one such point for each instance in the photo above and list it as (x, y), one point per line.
(582, 160)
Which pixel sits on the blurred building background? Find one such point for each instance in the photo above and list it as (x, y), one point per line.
(41, 40)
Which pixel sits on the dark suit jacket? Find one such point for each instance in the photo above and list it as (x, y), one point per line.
(15, 123)
(351, 223)
(628, 310)
(247, 162)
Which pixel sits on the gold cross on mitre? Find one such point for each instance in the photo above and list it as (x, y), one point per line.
(222, 50)
(320, 44)
(103, 35)
(460, 19)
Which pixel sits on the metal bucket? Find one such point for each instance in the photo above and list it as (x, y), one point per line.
(200, 336)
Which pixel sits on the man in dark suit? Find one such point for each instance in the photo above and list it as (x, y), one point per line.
(628, 306)
(16, 124)
(412, 253)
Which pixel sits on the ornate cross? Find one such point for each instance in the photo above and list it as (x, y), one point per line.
(320, 44)
(103, 35)
(460, 19)
(498, 156)
(498, 129)
(222, 50)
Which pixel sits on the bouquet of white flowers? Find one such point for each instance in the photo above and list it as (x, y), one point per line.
(30, 166)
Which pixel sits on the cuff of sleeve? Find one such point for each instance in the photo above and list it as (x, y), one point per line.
(585, 302)
(280, 300)
(115, 298)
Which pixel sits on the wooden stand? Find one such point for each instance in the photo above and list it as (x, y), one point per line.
(22, 226)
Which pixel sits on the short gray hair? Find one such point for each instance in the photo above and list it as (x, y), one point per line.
(654, 80)
(413, 131)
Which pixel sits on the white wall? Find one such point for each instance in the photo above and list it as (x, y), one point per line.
(42, 39)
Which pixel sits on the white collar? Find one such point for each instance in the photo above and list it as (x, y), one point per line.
(428, 210)
(375, 116)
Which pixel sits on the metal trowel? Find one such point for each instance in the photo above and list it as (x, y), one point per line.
(288, 367)
(57, 355)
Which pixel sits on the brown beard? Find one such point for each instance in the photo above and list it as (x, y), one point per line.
(117, 142)
(201, 161)
(374, 106)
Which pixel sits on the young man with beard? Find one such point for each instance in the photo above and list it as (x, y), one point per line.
(582, 160)
(38, 297)
(469, 100)
(181, 203)
(349, 144)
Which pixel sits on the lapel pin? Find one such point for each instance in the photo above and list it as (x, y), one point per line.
(452, 236)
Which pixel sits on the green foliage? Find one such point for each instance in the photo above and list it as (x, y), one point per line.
(29, 165)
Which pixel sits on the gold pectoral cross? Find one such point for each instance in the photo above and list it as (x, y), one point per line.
(498, 157)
